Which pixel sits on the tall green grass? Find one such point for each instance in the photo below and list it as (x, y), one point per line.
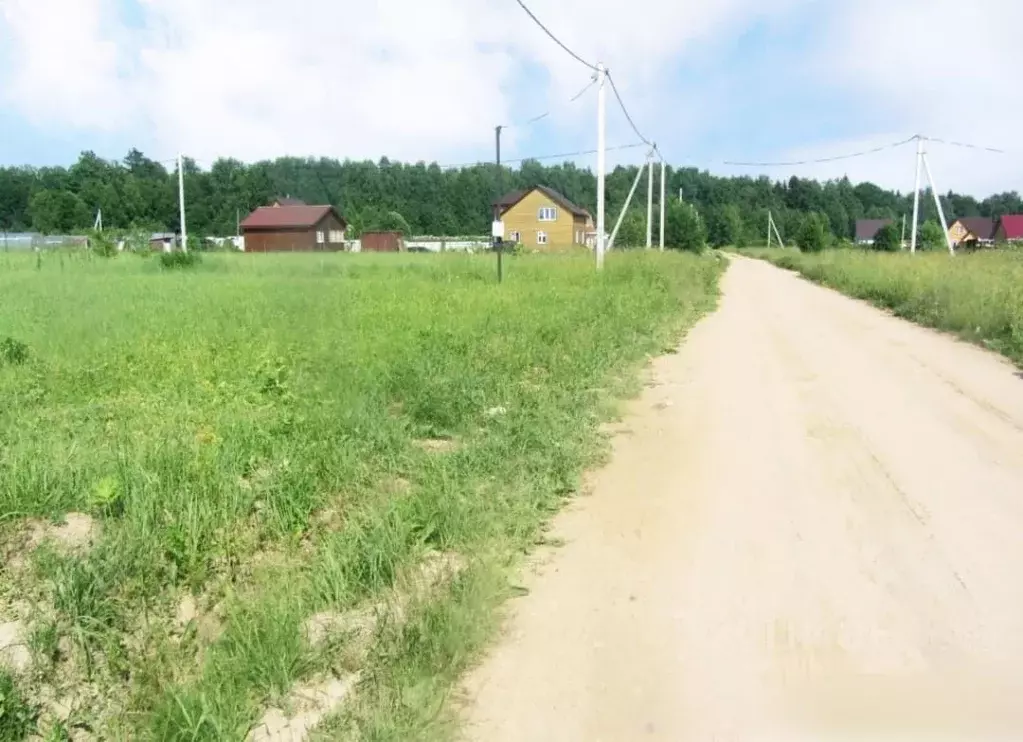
(249, 432)
(978, 296)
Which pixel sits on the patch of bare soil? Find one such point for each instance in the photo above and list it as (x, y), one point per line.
(14, 651)
(308, 704)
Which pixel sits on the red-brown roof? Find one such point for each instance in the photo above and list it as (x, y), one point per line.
(288, 217)
(980, 227)
(1013, 226)
(867, 229)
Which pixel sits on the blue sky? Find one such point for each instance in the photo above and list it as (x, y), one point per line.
(736, 80)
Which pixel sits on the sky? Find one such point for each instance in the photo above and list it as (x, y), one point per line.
(710, 82)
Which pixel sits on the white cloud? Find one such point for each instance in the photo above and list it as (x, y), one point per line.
(406, 79)
(941, 68)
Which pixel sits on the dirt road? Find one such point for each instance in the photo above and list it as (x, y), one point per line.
(813, 530)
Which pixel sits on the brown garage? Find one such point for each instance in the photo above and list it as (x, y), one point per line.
(294, 229)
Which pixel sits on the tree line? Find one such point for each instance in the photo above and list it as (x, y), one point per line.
(140, 193)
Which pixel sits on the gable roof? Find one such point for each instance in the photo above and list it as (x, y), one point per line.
(289, 217)
(980, 227)
(511, 199)
(1013, 226)
(867, 229)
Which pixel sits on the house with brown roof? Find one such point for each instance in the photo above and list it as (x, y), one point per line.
(972, 231)
(282, 228)
(867, 229)
(540, 218)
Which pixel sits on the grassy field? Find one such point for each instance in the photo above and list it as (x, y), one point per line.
(977, 296)
(221, 484)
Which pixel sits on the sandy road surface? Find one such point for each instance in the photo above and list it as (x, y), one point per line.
(814, 530)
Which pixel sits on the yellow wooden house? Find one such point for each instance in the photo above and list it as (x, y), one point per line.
(540, 218)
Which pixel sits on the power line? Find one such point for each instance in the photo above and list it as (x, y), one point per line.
(545, 157)
(555, 38)
(626, 111)
(573, 99)
(850, 156)
(967, 146)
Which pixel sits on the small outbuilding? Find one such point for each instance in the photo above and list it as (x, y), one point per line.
(297, 228)
(382, 242)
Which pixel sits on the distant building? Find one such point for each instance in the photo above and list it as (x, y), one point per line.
(541, 218)
(382, 242)
(867, 229)
(1010, 228)
(972, 231)
(281, 228)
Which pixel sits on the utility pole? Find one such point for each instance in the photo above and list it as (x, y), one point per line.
(181, 203)
(498, 231)
(941, 210)
(601, 159)
(628, 201)
(650, 204)
(916, 190)
(664, 206)
(768, 228)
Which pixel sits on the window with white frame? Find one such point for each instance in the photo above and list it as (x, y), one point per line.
(337, 236)
(514, 237)
(320, 238)
(547, 214)
(541, 237)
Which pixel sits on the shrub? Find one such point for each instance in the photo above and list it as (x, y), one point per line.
(13, 352)
(887, 239)
(180, 259)
(812, 234)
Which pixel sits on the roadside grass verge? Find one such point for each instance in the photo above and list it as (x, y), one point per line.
(193, 464)
(977, 296)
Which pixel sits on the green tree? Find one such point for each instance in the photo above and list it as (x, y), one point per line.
(932, 236)
(888, 239)
(813, 236)
(684, 228)
(724, 226)
(632, 233)
(57, 212)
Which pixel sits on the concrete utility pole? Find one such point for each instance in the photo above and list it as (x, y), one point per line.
(650, 206)
(181, 203)
(498, 238)
(664, 205)
(916, 191)
(601, 159)
(941, 211)
(625, 206)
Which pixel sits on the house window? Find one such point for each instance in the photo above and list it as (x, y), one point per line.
(337, 236)
(547, 214)
(320, 238)
(514, 237)
(541, 237)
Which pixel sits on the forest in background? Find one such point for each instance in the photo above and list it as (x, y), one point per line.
(141, 193)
